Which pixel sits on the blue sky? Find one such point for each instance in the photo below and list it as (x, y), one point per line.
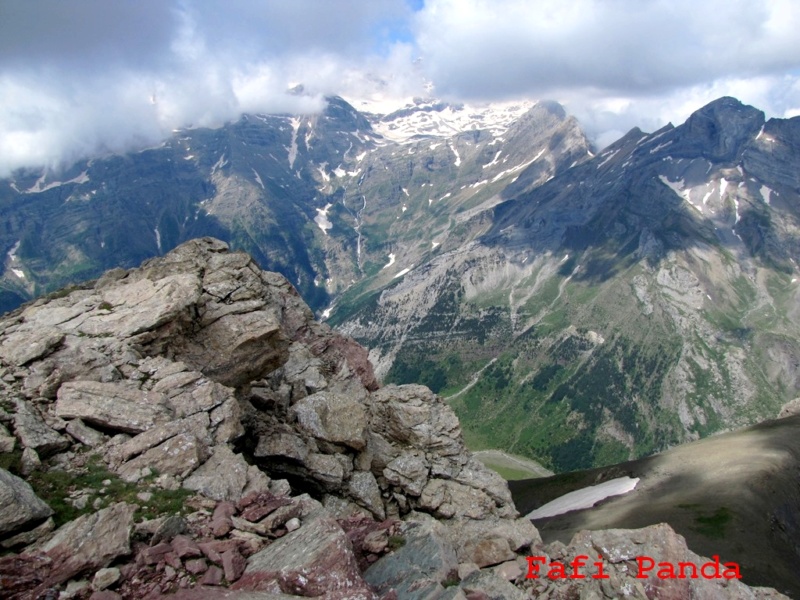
(80, 77)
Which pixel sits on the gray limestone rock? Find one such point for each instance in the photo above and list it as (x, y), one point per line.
(112, 406)
(364, 489)
(222, 477)
(85, 434)
(332, 417)
(420, 566)
(178, 456)
(34, 433)
(19, 505)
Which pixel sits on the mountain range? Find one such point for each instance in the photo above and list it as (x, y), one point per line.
(575, 306)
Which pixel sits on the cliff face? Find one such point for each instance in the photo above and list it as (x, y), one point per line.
(191, 414)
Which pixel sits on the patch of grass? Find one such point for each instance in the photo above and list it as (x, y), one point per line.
(713, 526)
(106, 306)
(55, 488)
(396, 542)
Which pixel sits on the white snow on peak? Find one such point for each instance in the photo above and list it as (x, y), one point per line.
(432, 118)
(405, 191)
(361, 156)
(19, 273)
(584, 498)
(339, 172)
(403, 272)
(405, 208)
(723, 185)
(322, 219)
(390, 263)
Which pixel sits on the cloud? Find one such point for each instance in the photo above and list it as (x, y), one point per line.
(92, 76)
(481, 47)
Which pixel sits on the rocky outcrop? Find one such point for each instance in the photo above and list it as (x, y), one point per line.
(198, 393)
(19, 505)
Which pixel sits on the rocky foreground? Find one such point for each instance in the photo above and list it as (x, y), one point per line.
(186, 429)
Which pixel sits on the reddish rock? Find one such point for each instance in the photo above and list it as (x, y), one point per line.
(19, 573)
(256, 512)
(316, 559)
(196, 566)
(185, 547)
(155, 554)
(234, 564)
(213, 576)
(213, 550)
(221, 523)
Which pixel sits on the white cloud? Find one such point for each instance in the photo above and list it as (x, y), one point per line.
(98, 76)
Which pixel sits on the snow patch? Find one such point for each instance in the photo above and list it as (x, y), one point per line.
(405, 191)
(584, 498)
(457, 162)
(390, 263)
(40, 186)
(494, 160)
(18, 273)
(403, 272)
(258, 179)
(339, 172)
(292, 149)
(766, 194)
(158, 240)
(322, 219)
(434, 244)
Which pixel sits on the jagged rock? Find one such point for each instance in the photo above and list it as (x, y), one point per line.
(364, 489)
(196, 425)
(519, 534)
(448, 498)
(409, 472)
(287, 445)
(112, 406)
(413, 415)
(222, 477)
(85, 434)
(178, 456)
(332, 417)
(90, 542)
(105, 578)
(29, 537)
(326, 469)
(419, 568)
(313, 560)
(20, 348)
(34, 433)
(29, 461)
(488, 551)
(19, 505)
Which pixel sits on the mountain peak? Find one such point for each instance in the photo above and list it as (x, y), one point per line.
(722, 127)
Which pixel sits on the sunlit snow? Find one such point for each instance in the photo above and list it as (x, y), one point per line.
(322, 219)
(584, 498)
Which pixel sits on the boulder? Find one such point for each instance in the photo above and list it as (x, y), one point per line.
(420, 567)
(333, 418)
(90, 542)
(314, 560)
(112, 406)
(222, 477)
(178, 456)
(19, 505)
(34, 433)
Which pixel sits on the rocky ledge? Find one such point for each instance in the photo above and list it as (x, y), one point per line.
(186, 429)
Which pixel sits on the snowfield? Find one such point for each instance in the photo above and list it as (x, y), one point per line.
(584, 498)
